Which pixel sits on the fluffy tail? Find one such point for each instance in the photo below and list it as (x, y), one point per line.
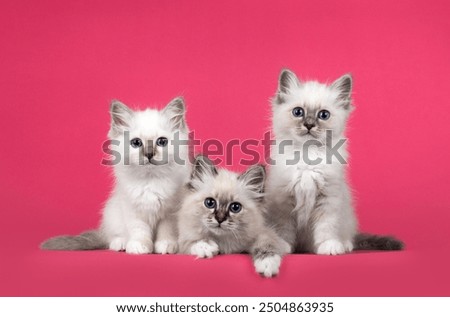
(365, 241)
(89, 240)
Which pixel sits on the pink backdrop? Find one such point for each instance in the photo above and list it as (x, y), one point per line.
(61, 62)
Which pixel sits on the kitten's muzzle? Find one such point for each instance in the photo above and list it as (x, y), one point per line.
(221, 215)
(149, 156)
(310, 122)
(149, 151)
(309, 126)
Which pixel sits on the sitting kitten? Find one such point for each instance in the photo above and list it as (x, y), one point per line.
(147, 183)
(310, 202)
(223, 213)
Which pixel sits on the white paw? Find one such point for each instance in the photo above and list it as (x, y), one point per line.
(268, 266)
(165, 247)
(203, 249)
(331, 247)
(117, 244)
(137, 247)
(348, 245)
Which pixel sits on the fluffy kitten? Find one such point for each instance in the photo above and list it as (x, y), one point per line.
(223, 212)
(309, 199)
(140, 210)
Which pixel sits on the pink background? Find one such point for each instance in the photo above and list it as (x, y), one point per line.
(61, 62)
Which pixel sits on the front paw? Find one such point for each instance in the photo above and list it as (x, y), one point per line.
(268, 266)
(348, 246)
(205, 249)
(138, 247)
(117, 244)
(165, 247)
(331, 247)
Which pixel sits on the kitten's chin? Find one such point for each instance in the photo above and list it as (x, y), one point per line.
(303, 136)
(158, 163)
(217, 230)
(141, 166)
(151, 163)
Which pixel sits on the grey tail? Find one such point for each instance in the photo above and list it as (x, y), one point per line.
(89, 240)
(365, 241)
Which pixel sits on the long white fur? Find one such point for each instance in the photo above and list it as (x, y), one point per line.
(311, 205)
(140, 210)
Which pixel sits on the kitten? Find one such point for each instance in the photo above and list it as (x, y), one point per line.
(140, 210)
(310, 201)
(223, 212)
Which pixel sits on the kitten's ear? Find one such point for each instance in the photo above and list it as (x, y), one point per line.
(286, 82)
(120, 117)
(344, 86)
(203, 166)
(253, 178)
(176, 111)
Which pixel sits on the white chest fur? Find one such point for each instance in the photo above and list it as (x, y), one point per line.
(150, 196)
(308, 171)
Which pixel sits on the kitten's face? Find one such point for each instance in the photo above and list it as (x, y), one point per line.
(306, 110)
(146, 137)
(225, 202)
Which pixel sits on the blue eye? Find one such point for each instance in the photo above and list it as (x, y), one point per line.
(136, 142)
(210, 203)
(323, 115)
(298, 112)
(235, 207)
(162, 142)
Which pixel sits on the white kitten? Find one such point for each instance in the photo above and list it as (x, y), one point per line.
(223, 212)
(148, 178)
(308, 195)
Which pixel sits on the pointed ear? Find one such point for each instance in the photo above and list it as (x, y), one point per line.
(120, 117)
(203, 167)
(175, 111)
(253, 178)
(344, 86)
(286, 82)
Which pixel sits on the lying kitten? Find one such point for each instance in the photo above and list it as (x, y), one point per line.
(309, 201)
(147, 182)
(223, 213)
